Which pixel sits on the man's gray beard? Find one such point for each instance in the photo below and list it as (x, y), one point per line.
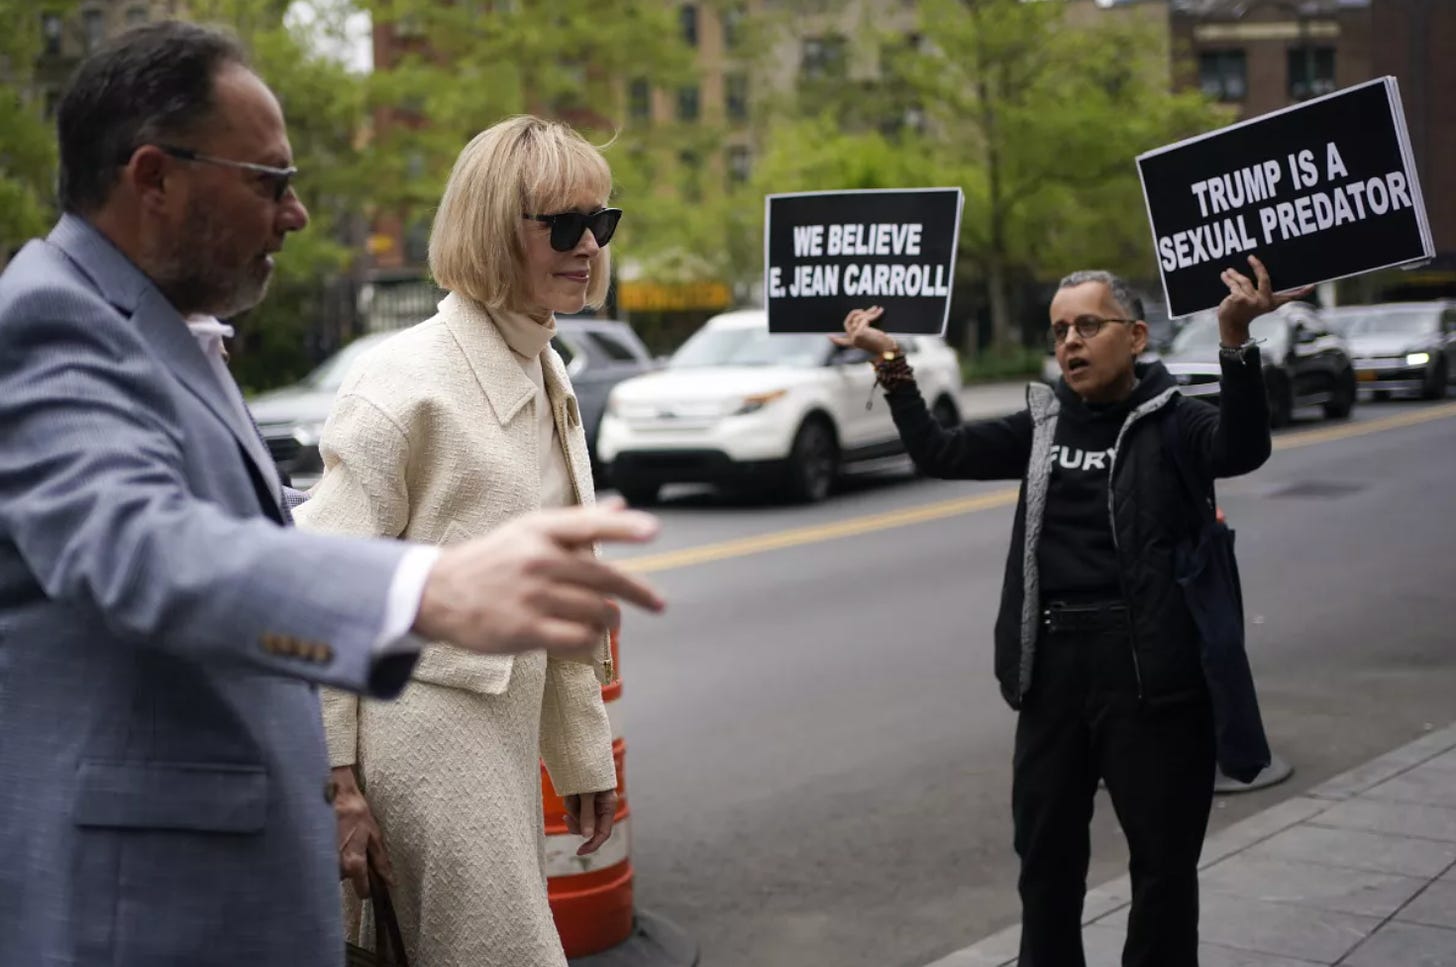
(188, 273)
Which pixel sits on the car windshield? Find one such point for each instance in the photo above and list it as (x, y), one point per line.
(1394, 322)
(331, 372)
(750, 346)
(1199, 336)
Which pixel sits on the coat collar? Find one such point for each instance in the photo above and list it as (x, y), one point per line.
(494, 364)
(490, 359)
(158, 322)
(115, 276)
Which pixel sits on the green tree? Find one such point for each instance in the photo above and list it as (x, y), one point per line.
(324, 102)
(1039, 121)
(28, 142)
(471, 64)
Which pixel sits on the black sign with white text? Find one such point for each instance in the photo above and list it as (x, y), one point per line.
(826, 253)
(1320, 191)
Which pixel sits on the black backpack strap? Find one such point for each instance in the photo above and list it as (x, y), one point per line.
(1200, 493)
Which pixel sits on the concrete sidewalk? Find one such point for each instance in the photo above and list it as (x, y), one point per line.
(1359, 871)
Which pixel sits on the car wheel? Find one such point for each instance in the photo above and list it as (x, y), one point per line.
(1342, 400)
(638, 493)
(813, 462)
(945, 413)
(1436, 386)
(1281, 400)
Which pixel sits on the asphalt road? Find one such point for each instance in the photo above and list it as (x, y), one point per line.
(818, 759)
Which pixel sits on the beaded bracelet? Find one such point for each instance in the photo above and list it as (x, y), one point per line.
(894, 373)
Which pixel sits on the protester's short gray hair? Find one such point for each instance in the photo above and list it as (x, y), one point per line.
(1122, 293)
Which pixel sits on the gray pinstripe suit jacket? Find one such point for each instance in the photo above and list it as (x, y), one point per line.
(162, 761)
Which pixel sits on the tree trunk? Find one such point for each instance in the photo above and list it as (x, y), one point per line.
(1003, 326)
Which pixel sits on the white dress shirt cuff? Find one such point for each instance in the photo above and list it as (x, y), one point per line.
(403, 604)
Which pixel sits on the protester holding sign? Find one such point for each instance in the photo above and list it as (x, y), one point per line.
(1095, 644)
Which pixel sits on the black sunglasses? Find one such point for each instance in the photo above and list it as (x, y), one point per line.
(566, 227)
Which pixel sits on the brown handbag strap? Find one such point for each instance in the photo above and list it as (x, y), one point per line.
(386, 924)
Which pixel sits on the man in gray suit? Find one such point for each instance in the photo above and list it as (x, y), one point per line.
(163, 779)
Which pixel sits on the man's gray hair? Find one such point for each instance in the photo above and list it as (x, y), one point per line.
(1122, 293)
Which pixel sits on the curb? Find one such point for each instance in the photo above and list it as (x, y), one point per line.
(1000, 949)
(654, 942)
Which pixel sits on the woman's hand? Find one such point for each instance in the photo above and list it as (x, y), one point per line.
(591, 814)
(860, 332)
(359, 836)
(1247, 301)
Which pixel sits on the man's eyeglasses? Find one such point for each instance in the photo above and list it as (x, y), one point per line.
(1086, 326)
(278, 180)
(566, 227)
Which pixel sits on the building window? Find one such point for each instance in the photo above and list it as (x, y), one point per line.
(687, 103)
(690, 175)
(1311, 72)
(93, 27)
(735, 96)
(417, 242)
(639, 100)
(822, 57)
(50, 28)
(409, 26)
(732, 26)
(1222, 74)
(136, 16)
(687, 16)
(740, 164)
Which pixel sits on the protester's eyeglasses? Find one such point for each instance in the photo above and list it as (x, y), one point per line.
(566, 227)
(278, 180)
(1086, 326)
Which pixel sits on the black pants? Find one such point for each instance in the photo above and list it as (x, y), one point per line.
(1082, 720)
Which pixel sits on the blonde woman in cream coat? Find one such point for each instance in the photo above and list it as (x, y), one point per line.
(438, 435)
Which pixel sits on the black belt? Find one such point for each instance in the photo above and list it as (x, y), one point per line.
(1058, 616)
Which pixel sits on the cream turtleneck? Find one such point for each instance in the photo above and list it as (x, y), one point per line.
(528, 338)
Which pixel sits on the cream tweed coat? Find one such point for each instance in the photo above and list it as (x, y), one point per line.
(434, 438)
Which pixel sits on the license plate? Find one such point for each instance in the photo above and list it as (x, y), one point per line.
(1367, 376)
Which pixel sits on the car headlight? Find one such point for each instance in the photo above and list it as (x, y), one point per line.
(1417, 359)
(757, 401)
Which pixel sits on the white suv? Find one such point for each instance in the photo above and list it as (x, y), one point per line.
(738, 405)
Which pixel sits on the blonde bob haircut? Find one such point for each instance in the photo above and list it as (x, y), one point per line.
(522, 166)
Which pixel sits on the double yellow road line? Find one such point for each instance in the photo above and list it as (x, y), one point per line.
(870, 523)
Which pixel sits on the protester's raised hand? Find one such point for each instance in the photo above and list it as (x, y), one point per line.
(1248, 300)
(535, 583)
(860, 332)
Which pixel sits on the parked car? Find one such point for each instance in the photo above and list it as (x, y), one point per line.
(291, 418)
(1404, 347)
(599, 353)
(1337, 319)
(739, 405)
(1304, 363)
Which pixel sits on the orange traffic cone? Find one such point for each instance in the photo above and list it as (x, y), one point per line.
(591, 896)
